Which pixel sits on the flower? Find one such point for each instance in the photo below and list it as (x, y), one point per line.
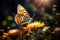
(34, 25)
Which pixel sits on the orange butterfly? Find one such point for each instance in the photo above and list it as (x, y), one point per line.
(22, 16)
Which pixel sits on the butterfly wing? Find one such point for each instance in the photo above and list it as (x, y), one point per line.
(22, 11)
(22, 16)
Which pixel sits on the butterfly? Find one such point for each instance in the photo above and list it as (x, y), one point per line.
(22, 16)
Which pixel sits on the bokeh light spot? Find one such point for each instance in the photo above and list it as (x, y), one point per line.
(10, 18)
(4, 23)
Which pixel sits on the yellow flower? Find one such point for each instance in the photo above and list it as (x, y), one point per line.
(34, 25)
